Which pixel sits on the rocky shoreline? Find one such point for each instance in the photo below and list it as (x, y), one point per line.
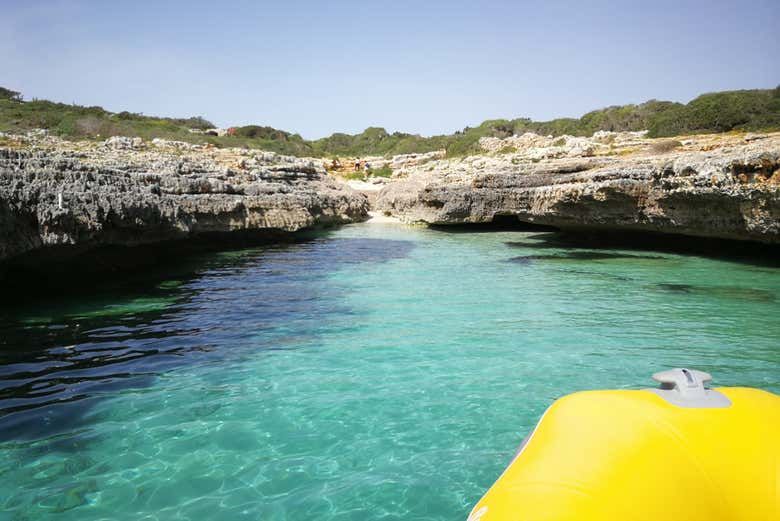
(712, 186)
(60, 198)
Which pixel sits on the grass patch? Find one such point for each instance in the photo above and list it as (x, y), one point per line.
(354, 176)
(384, 171)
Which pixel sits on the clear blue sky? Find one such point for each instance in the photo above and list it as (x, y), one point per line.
(316, 67)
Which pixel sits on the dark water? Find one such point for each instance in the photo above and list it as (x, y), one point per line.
(378, 372)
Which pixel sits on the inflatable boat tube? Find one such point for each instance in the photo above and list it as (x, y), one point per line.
(678, 452)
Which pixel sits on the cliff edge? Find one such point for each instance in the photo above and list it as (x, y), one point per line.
(75, 196)
(724, 186)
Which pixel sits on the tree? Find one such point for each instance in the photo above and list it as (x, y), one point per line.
(10, 94)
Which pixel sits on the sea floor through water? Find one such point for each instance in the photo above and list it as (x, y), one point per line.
(374, 372)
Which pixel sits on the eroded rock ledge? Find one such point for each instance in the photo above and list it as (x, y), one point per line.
(78, 196)
(708, 186)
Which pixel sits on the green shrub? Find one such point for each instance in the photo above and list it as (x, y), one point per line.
(358, 175)
(256, 131)
(10, 94)
(196, 122)
(721, 112)
(384, 171)
(126, 116)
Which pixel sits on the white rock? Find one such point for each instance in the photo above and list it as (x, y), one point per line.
(119, 143)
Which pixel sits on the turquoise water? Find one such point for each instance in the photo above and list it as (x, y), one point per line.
(376, 372)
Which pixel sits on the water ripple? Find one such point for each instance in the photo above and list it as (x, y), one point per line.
(378, 372)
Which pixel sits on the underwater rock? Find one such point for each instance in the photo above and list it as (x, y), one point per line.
(728, 292)
(580, 255)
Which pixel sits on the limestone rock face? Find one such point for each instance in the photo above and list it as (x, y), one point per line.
(727, 187)
(126, 192)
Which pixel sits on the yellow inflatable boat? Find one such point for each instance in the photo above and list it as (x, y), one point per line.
(682, 452)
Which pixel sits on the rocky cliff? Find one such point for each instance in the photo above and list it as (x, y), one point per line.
(65, 196)
(722, 186)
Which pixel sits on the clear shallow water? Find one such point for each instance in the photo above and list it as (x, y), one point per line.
(378, 372)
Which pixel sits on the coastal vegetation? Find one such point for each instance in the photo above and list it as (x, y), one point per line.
(361, 175)
(383, 171)
(741, 110)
